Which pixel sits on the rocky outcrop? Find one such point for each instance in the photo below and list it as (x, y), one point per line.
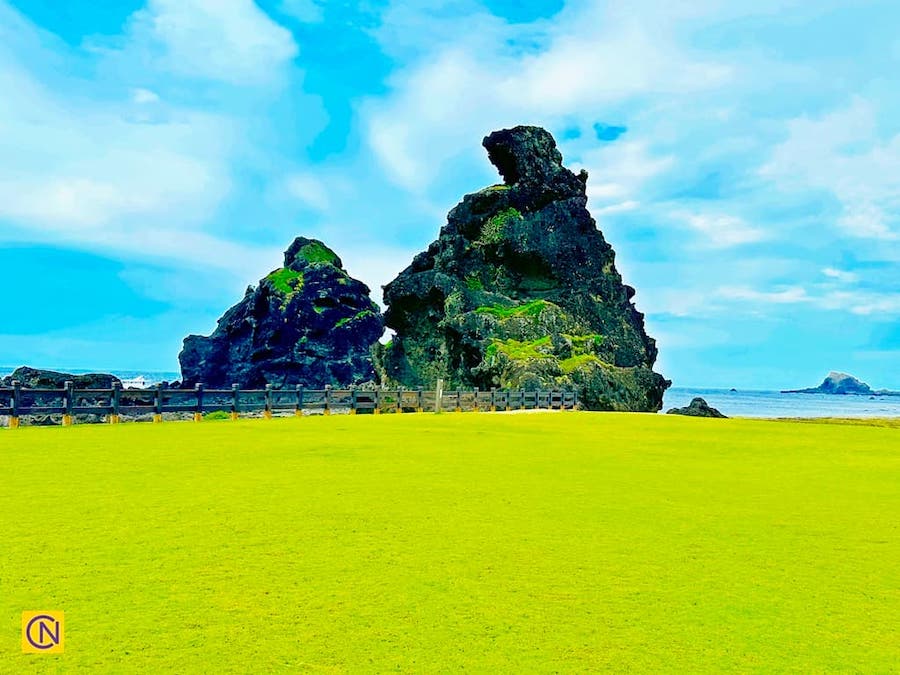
(35, 378)
(836, 383)
(305, 323)
(520, 290)
(842, 384)
(698, 408)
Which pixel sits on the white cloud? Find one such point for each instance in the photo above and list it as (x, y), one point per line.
(501, 75)
(230, 41)
(310, 190)
(68, 166)
(862, 303)
(620, 207)
(841, 153)
(618, 171)
(735, 300)
(142, 96)
(840, 275)
(722, 230)
(95, 171)
(307, 11)
(785, 296)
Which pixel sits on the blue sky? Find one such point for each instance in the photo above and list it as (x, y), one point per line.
(156, 156)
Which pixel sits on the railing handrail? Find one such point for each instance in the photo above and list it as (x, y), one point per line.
(17, 401)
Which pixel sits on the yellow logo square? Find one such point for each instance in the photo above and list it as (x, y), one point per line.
(43, 632)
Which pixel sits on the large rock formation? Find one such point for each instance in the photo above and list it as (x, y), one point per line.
(520, 291)
(305, 323)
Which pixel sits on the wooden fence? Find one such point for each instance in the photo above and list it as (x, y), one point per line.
(16, 401)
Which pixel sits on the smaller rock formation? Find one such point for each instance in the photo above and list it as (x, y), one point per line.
(698, 408)
(305, 323)
(35, 378)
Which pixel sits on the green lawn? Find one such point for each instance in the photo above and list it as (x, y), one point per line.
(514, 543)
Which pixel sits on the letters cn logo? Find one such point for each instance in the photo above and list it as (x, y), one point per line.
(42, 632)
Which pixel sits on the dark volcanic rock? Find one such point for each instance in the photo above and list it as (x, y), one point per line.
(521, 291)
(698, 408)
(35, 378)
(306, 323)
(836, 383)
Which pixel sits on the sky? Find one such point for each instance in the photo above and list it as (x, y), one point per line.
(157, 156)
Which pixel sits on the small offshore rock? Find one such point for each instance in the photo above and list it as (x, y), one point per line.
(698, 408)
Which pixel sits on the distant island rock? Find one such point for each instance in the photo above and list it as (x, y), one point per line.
(842, 384)
(306, 323)
(698, 408)
(521, 291)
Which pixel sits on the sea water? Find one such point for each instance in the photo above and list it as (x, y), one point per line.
(752, 403)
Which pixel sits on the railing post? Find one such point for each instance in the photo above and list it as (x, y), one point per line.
(493, 399)
(299, 410)
(198, 413)
(268, 411)
(377, 410)
(421, 400)
(157, 405)
(353, 402)
(399, 401)
(116, 402)
(439, 396)
(16, 399)
(458, 400)
(69, 402)
(521, 399)
(235, 393)
(327, 410)
(475, 408)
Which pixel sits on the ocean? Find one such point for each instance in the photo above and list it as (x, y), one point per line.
(741, 403)
(752, 403)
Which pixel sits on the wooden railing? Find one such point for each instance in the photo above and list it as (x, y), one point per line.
(17, 402)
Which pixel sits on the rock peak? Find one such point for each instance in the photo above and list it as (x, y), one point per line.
(523, 153)
(303, 251)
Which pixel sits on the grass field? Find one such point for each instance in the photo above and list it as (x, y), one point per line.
(512, 543)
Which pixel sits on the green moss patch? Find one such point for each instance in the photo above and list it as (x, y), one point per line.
(584, 343)
(286, 280)
(473, 283)
(573, 363)
(315, 253)
(356, 317)
(528, 309)
(516, 350)
(494, 230)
